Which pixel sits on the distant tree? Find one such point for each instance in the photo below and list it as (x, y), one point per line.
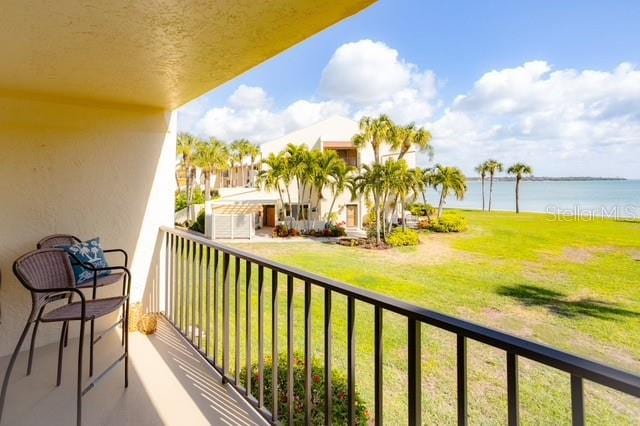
(276, 175)
(403, 138)
(371, 182)
(339, 181)
(211, 157)
(449, 180)
(375, 132)
(481, 169)
(186, 148)
(493, 167)
(519, 170)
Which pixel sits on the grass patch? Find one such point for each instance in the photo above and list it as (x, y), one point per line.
(570, 284)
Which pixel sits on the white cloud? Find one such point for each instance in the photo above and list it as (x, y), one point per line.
(248, 114)
(249, 97)
(364, 72)
(362, 78)
(562, 121)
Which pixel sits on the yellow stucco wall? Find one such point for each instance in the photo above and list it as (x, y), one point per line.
(88, 169)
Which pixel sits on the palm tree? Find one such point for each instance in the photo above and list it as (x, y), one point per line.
(493, 167)
(186, 148)
(339, 180)
(299, 165)
(323, 166)
(211, 157)
(240, 149)
(520, 170)
(401, 183)
(403, 138)
(253, 152)
(449, 180)
(482, 170)
(370, 182)
(276, 175)
(374, 132)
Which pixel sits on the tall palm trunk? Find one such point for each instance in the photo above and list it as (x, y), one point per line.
(441, 203)
(404, 228)
(490, 190)
(482, 179)
(377, 202)
(517, 194)
(207, 186)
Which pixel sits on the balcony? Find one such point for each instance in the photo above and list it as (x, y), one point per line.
(226, 312)
(169, 383)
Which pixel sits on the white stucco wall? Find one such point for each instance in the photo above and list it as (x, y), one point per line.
(88, 169)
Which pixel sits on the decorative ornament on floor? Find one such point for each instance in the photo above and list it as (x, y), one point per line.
(148, 323)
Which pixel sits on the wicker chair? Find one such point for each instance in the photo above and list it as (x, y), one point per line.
(48, 275)
(56, 240)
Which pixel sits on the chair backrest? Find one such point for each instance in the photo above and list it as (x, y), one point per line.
(44, 269)
(57, 240)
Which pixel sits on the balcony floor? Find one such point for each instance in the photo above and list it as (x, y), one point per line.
(169, 384)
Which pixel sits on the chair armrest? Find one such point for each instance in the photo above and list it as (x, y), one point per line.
(126, 285)
(121, 251)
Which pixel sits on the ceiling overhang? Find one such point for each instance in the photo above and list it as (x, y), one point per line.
(154, 53)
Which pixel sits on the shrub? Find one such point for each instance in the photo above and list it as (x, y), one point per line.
(198, 198)
(339, 396)
(449, 222)
(399, 238)
(281, 230)
(198, 225)
(424, 224)
(421, 210)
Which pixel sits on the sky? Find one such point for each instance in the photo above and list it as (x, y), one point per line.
(554, 84)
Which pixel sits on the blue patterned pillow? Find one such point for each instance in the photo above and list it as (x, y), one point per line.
(87, 252)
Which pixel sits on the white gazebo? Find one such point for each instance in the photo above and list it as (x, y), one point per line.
(234, 216)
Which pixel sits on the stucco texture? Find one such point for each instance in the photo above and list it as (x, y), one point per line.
(157, 53)
(88, 170)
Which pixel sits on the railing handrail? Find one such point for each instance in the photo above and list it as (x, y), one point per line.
(594, 371)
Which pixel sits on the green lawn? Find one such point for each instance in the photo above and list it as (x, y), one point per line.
(574, 285)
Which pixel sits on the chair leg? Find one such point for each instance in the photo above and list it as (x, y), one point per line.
(66, 334)
(31, 347)
(63, 333)
(33, 341)
(12, 361)
(92, 327)
(125, 333)
(79, 390)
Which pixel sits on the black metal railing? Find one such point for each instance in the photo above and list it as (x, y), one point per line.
(195, 267)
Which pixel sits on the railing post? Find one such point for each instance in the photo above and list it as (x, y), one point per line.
(307, 352)
(577, 401)
(275, 357)
(260, 336)
(237, 320)
(512, 389)
(378, 354)
(208, 303)
(290, 395)
(415, 372)
(216, 306)
(248, 324)
(351, 360)
(328, 336)
(461, 367)
(225, 317)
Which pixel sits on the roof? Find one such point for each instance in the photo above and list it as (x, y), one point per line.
(157, 54)
(335, 128)
(249, 197)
